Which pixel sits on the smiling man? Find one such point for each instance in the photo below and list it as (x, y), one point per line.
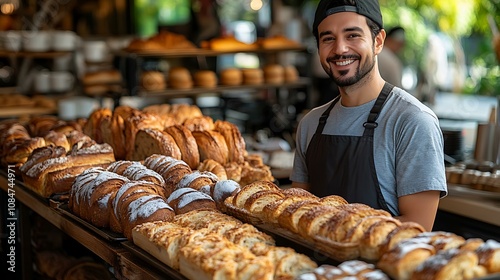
(375, 143)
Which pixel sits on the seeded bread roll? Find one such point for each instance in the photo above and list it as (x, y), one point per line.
(187, 144)
(211, 145)
(154, 141)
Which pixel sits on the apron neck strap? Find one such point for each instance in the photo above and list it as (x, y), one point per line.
(371, 123)
(324, 116)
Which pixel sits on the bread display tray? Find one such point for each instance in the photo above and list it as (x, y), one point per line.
(168, 272)
(103, 232)
(334, 250)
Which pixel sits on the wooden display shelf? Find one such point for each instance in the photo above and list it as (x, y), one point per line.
(6, 112)
(302, 82)
(196, 52)
(47, 54)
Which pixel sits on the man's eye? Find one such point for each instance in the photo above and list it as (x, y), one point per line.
(327, 39)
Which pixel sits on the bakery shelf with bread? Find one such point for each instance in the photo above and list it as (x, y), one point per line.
(207, 244)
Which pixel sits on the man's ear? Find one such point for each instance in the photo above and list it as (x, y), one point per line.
(379, 41)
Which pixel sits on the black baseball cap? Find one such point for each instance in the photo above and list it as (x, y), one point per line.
(367, 8)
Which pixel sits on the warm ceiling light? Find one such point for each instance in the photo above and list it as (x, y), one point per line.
(7, 9)
(256, 4)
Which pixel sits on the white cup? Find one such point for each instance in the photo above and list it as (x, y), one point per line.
(36, 41)
(42, 81)
(95, 51)
(67, 109)
(64, 40)
(12, 41)
(61, 81)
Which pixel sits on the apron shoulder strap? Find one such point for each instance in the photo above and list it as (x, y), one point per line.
(371, 123)
(324, 116)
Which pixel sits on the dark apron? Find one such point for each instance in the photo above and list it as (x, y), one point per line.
(344, 165)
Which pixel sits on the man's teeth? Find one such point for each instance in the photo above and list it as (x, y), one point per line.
(344, 63)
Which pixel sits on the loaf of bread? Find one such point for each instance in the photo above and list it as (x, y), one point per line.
(153, 141)
(187, 144)
(153, 80)
(179, 77)
(172, 170)
(450, 264)
(48, 159)
(489, 255)
(102, 77)
(227, 43)
(93, 125)
(211, 145)
(57, 139)
(205, 79)
(242, 196)
(234, 140)
(231, 77)
(214, 167)
(199, 123)
(136, 171)
(274, 74)
(255, 203)
(197, 179)
(404, 258)
(253, 76)
(136, 122)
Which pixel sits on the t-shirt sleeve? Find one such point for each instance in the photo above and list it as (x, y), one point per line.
(420, 155)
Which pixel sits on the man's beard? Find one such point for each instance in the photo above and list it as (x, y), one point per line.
(363, 69)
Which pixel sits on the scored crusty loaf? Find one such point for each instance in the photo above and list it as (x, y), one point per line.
(187, 144)
(197, 179)
(93, 125)
(50, 159)
(17, 151)
(190, 201)
(211, 145)
(60, 181)
(294, 192)
(290, 215)
(199, 123)
(128, 192)
(214, 167)
(450, 264)
(136, 122)
(57, 139)
(147, 208)
(80, 186)
(154, 141)
(135, 170)
(234, 140)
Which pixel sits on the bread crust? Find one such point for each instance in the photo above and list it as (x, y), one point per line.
(187, 144)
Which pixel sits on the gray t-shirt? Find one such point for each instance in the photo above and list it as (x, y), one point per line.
(408, 144)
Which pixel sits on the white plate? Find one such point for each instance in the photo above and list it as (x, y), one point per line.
(462, 190)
